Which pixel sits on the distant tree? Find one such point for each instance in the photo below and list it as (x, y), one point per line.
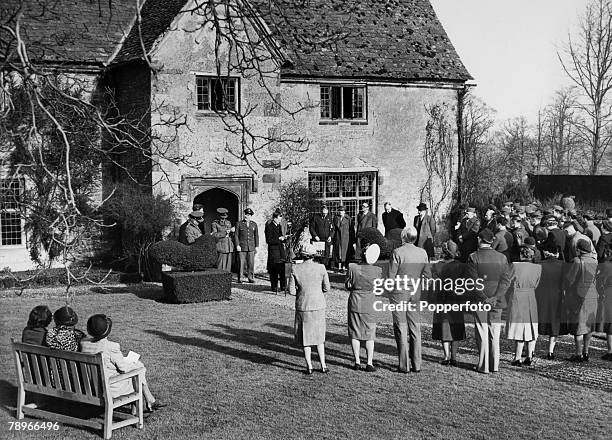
(560, 132)
(587, 60)
(516, 145)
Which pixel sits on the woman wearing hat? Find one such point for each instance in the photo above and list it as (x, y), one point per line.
(64, 336)
(604, 312)
(308, 282)
(449, 327)
(523, 309)
(581, 294)
(113, 362)
(361, 317)
(549, 296)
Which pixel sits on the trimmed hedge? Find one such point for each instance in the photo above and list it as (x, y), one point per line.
(201, 255)
(190, 287)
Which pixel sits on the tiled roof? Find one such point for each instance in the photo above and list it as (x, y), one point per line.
(70, 31)
(369, 39)
(386, 39)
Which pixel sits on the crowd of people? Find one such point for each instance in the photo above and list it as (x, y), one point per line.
(65, 336)
(549, 271)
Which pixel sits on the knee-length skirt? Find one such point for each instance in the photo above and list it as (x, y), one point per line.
(362, 326)
(309, 327)
(448, 326)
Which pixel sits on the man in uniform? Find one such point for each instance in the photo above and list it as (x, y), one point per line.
(223, 230)
(246, 239)
(189, 231)
(322, 229)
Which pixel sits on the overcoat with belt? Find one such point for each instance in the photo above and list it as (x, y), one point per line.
(225, 242)
(344, 237)
(426, 228)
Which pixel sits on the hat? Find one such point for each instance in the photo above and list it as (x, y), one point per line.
(557, 208)
(248, 211)
(277, 212)
(65, 316)
(222, 211)
(529, 242)
(99, 326)
(589, 215)
(609, 212)
(196, 214)
(422, 206)
(308, 250)
(491, 207)
(450, 248)
(584, 246)
(372, 253)
(486, 235)
(470, 209)
(540, 234)
(341, 208)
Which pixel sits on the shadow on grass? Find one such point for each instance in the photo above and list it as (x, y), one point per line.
(259, 288)
(151, 292)
(8, 397)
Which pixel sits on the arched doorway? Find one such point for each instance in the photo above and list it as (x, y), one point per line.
(217, 198)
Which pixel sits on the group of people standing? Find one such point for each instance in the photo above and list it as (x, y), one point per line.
(545, 279)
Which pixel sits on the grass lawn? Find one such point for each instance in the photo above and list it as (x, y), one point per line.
(229, 370)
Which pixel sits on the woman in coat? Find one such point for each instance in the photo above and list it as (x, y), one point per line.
(549, 295)
(361, 317)
(449, 327)
(113, 362)
(344, 231)
(581, 295)
(523, 309)
(604, 313)
(36, 330)
(308, 282)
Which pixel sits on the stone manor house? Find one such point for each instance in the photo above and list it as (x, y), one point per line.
(350, 80)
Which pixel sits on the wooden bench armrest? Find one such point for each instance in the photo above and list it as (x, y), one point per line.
(124, 376)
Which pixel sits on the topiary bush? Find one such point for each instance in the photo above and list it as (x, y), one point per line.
(201, 255)
(374, 236)
(190, 287)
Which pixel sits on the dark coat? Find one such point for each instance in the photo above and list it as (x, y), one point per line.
(276, 247)
(495, 271)
(558, 237)
(393, 220)
(468, 235)
(343, 237)
(323, 227)
(247, 237)
(189, 233)
(367, 220)
(34, 335)
(426, 229)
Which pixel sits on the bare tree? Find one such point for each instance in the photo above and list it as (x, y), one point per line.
(587, 60)
(516, 144)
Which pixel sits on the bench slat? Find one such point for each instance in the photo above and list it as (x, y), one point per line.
(69, 355)
(44, 365)
(35, 362)
(74, 376)
(68, 395)
(95, 373)
(56, 374)
(27, 372)
(47, 415)
(64, 371)
(86, 378)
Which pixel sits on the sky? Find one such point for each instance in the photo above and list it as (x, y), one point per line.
(510, 48)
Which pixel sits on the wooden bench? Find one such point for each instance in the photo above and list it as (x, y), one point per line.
(76, 377)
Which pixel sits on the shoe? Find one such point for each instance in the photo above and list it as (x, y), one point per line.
(239, 281)
(477, 370)
(357, 367)
(155, 406)
(517, 363)
(308, 371)
(370, 368)
(399, 370)
(274, 290)
(445, 362)
(527, 361)
(414, 370)
(325, 370)
(550, 356)
(585, 357)
(576, 358)
(252, 281)
(453, 363)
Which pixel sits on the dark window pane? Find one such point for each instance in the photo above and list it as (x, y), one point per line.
(347, 98)
(336, 101)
